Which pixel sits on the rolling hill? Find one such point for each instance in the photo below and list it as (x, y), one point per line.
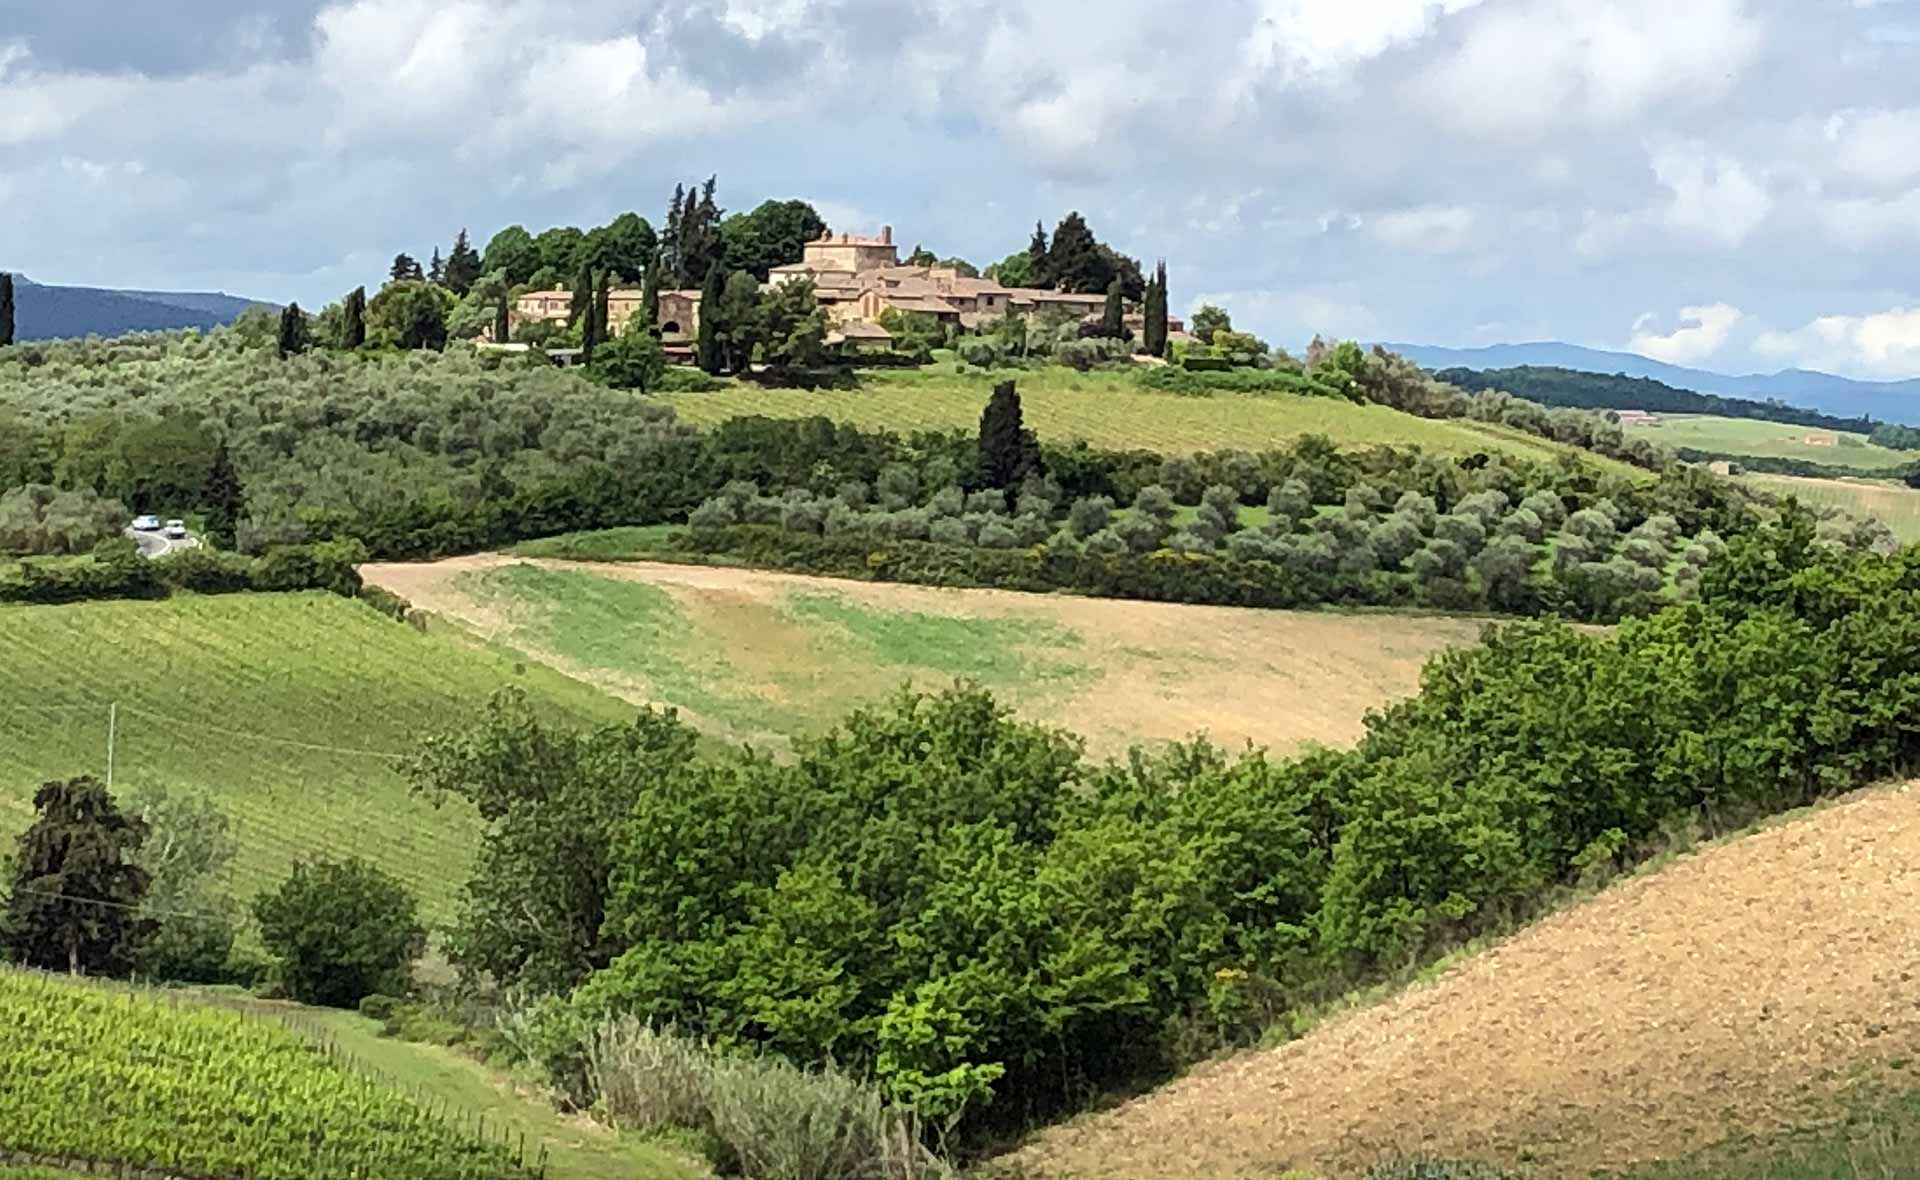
(755, 656)
(49, 312)
(1770, 976)
(290, 711)
(1884, 401)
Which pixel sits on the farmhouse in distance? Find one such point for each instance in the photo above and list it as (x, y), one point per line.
(856, 278)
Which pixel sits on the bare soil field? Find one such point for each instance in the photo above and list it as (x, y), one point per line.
(760, 656)
(1743, 989)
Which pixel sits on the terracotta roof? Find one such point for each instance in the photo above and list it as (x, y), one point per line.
(1066, 297)
(922, 303)
(978, 287)
(863, 330)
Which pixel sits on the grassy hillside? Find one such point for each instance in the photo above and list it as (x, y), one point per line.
(1894, 504)
(763, 656)
(1108, 410)
(128, 1079)
(289, 710)
(1681, 1012)
(1771, 440)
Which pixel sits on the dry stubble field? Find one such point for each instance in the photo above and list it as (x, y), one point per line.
(759, 656)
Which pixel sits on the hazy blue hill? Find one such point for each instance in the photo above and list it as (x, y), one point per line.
(1884, 401)
(48, 312)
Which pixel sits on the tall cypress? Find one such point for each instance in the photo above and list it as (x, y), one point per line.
(1038, 272)
(502, 321)
(582, 296)
(462, 268)
(596, 329)
(293, 330)
(353, 319)
(436, 269)
(6, 309)
(1113, 321)
(707, 350)
(1155, 330)
(1007, 450)
(650, 294)
(225, 499)
(670, 237)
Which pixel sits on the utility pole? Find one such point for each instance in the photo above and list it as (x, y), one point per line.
(113, 717)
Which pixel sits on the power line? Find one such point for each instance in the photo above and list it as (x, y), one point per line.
(203, 915)
(202, 727)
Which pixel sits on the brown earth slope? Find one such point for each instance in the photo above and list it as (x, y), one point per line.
(1741, 989)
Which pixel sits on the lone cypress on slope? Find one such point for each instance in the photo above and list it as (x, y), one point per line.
(6, 309)
(1154, 332)
(1008, 451)
(1113, 316)
(293, 330)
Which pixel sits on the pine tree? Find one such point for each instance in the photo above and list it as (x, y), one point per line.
(76, 888)
(462, 268)
(225, 499)
(6, 309)
(1074, 261)
(707, 350)
(1155, 331)
(436, 269)
(1008, 451)
(1113, 321)
(405, 268)
(582, 301)
(353, 319)
(293, 330)
(1037, 273)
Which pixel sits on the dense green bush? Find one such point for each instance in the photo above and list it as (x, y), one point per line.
(117, 571)
(963, 907)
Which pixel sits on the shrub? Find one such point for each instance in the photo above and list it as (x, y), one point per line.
(949, 530)
(1593, 526)
(1155, 502)
(1487, 507)
(1395, 538)
(1523, 523)
(1106, 543)
(851, 492)
(1089, 515)
(986, 502)
(1291, 501)
(1645, 551)
(1141, 532)
(994, 533)
(718, 512)
(1190, 540)
(898, 486)
(339, 931)
(1464, 529)
(801, 513)
(1224, 500)
(948, 501)
(1551, 510)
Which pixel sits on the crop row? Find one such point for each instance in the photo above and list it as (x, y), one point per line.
(123, 1077)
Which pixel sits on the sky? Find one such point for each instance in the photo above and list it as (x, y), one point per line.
(1732, 184)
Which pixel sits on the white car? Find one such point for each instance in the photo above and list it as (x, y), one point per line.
(146, 524)
(176, 530)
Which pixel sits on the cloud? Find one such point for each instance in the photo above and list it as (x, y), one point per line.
(1882, 344)
(1434, 170)
(1703, 331)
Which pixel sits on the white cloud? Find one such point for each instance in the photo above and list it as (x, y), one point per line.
(1310, 36)
(1713, 198)
(1426, 229)
(1703, 331)
(1525, 70)
(1882, 344)
(1880, 147)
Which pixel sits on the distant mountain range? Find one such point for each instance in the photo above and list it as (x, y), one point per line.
(50, 313)
(1883, 401)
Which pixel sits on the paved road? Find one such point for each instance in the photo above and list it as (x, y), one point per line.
(157, 544)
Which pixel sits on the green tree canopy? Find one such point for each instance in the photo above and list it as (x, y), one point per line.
(410, 315)
(1007, 450)
(189, 847)
(77, 887)
(293, 330)
(463, 265)
(513, 253)
(774, 234)
(1208, 320)
(339, 931)
(623, 247)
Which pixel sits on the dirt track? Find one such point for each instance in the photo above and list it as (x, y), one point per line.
(1154, 671)
(1735, 991)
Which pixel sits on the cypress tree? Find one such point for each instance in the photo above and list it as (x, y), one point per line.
(1113, 317)
(436, 269)
(1038, 274)
(670, 237)
(582, 301)
(293, 330)
(225, 499)
(353, 319)
(462, 268)
(650, 294)
(502, 322)
(596, 329)
(1008, 451)
(6, 309)
(1155, 331)
(707, 350)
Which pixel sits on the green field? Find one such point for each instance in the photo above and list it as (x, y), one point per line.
(142, 1080)
(1769, 440)
(1892, 503)
(1108, 410)
(290, 710)
(750, 655)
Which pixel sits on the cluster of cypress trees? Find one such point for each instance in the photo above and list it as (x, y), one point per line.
(6, 309)
(1154, 336)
